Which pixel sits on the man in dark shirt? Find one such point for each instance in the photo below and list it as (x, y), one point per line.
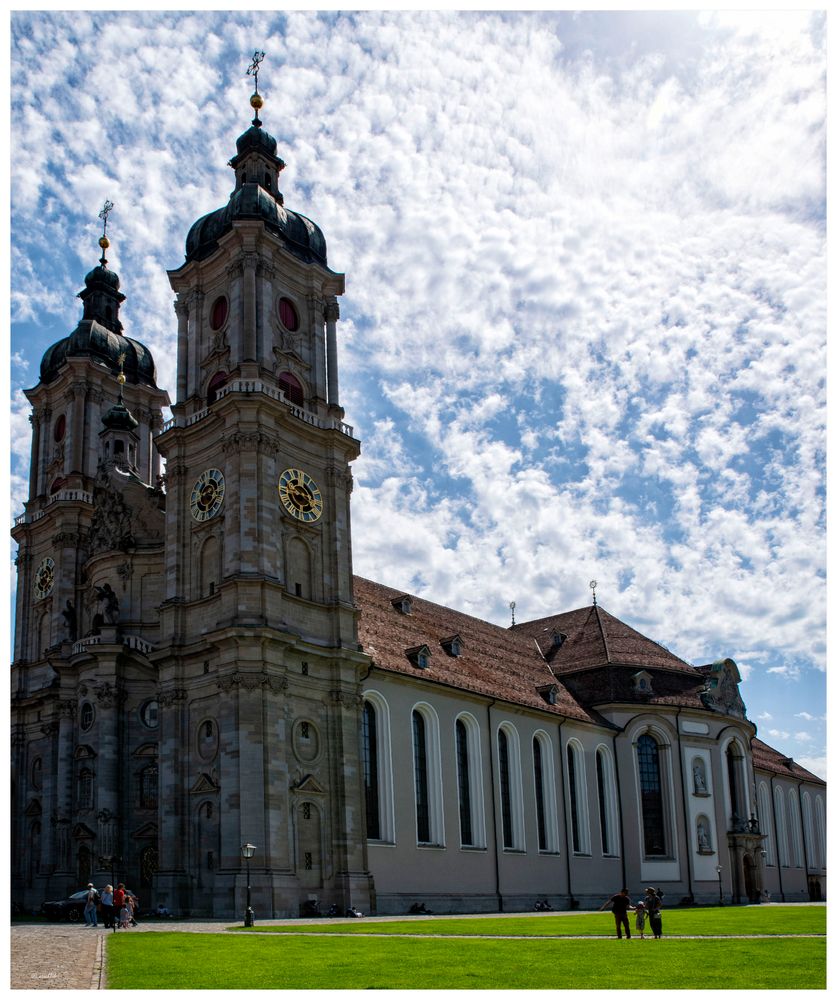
(621, 904)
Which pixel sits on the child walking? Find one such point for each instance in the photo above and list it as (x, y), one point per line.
(640, 920)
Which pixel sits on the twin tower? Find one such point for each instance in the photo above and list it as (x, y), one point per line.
(186, 674)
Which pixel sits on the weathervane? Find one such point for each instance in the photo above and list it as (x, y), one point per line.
(104, 242)
(256, 101)
(593, 586)
(512, 605)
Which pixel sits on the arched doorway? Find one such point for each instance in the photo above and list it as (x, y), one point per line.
(750, 889)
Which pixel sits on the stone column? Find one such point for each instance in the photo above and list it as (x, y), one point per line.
(193, 342)
(35, 461)
(76, 428)
(248, 308)
(171, 880)
(182, 311)
(332, 314)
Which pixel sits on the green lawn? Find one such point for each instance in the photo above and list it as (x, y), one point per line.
(180, 960)
(703, 920)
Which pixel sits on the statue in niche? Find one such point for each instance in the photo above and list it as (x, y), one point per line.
(106, 596)
(69, 615)
(703, 837)
(700, 777)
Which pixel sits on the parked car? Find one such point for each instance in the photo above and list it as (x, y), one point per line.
(72, 908)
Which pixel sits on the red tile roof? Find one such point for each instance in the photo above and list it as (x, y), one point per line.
(494, 661)
(767, 759)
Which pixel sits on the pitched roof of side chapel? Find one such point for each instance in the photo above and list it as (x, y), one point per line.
(520, 664)
(765, 758)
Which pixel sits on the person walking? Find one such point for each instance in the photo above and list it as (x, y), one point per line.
(107, 906)
(90, 918)
(640, 919)
(653, 905)
(118, 905)
(620, 904)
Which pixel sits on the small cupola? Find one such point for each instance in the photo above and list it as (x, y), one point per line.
(119, 442)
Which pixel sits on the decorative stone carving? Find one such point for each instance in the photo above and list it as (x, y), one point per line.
(69, 616)
(171, 697)
(107, 693)
(108, 602)
(252, 682)
(111, 528)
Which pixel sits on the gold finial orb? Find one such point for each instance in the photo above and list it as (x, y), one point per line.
(120, 378)
(256, 101)
(104, 242)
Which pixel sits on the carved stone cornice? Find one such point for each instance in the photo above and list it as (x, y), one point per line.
(259, 441)
(175, 471)
(235, 270)
(331, 311)
(171, 697)
(181, 307)
(250, 259)
(252, 682)
(70, 538)
(98, 397)
(348, 699)
(78, 390)
(265, 270)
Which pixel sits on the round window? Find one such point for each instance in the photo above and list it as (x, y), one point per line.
(288, 314)
(60, 428)
(218, 313)
(86, 716)
(207, 739)
(149, 714)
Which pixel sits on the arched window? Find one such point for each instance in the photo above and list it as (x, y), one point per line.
(608, 822)
(545, 801)
(292, 387)
(809, 834)
(85, 788)
(37, 773)
(370, 771)
(148, 787)
(377, 768)
(60, 428)
(427, 776)
(651, 794)
(765, 825)
(511, 805)
(469, 782)
(819, 816)
(795, 853)
(736, 781)
(288, 314)
(149, 862)
(219, 312)
(577, 784)
(216, 383)
(781, 826)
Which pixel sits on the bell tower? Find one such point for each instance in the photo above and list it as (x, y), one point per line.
(259, 602)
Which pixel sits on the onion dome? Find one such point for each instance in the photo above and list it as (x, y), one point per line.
(99, 333)
(257, 196)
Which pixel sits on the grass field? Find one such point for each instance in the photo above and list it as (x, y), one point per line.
(312, 957)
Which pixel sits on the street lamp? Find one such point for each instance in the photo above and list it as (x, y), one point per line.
(247, 852)
(719, 869)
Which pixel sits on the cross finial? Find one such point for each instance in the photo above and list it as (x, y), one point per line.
(104, 242)
(256, 100)
(593, 586)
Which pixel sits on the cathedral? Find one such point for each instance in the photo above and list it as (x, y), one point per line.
(209, 704)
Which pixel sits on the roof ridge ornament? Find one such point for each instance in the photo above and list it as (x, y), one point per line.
(593, 586)
(256, 101)
(104, 242)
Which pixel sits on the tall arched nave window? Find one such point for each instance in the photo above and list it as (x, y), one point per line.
(765, 825)
(427, 774)
(577, 784)
(794, 830)
(819, 817)
(651, 796)
(377, 768)
(781, 826)
(808, 832)
(469, 782)
(511, 799)
(545, 802)
(606, 787)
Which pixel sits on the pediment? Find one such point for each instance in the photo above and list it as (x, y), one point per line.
(146, 750)
(309, 784)
(84, 752)
(83, 832)
(148, 831)
(203, 784)
(33, 809)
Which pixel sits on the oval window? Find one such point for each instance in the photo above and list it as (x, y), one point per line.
(60, 428)
(149, 714)
(86, 716)
(288, 314)
(218, 313)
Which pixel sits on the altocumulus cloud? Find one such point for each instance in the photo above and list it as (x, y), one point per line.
(583, 334)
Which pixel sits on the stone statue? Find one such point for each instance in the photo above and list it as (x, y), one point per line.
(700, 779)
(106, 595)
(702, 836)
(69, 614)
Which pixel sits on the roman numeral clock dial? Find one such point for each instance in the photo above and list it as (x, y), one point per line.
(300, 496)
(207, 495)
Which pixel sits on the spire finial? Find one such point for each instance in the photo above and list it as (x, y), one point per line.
(104, 242)
(512, 606)
(593, 586)
(120, 378)
(256, 101)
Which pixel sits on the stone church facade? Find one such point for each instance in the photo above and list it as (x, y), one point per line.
(196, 666)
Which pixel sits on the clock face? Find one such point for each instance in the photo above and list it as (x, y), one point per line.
(300, 495)
(44, 577)
(207, 495)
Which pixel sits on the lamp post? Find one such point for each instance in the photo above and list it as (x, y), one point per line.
(247, 852)
(719, 869)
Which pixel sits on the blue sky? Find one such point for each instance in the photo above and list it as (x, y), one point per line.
(583, 334)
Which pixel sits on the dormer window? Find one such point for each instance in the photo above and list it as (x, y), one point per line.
(452, 646)
(549, 693)
(558, 640)
(419, 656)
(642, 683)
(403, 604)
